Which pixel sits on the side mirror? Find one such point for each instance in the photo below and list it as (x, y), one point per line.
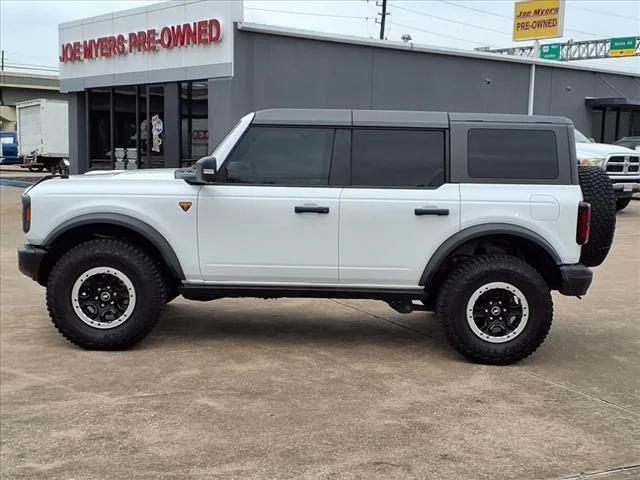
(206, 169)
(202, 172)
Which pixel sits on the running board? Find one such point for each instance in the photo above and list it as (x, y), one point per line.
(213, 292)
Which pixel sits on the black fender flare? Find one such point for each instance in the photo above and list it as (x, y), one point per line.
(140, 227)
(477, 231)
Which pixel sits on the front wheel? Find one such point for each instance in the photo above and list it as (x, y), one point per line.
(495, 309)
(105, 294)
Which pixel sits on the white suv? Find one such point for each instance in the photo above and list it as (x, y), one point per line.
(477, 217)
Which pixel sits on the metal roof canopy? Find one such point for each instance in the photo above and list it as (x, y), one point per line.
(613, 102)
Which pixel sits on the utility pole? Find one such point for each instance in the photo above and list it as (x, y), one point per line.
(384, 16)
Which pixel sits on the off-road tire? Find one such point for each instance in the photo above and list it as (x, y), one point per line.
(622, 203)
(147, 280)
(473, 274)
(598, 192)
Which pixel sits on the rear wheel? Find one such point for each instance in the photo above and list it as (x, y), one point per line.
(105, 294)
(36, 169)
(622, 203)
(495, 309)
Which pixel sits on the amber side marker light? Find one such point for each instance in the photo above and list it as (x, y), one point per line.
(26, 212)
(584, 223)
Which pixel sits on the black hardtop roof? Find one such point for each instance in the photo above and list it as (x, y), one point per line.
(389, 118)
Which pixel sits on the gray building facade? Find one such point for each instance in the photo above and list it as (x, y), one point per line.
(274, 67)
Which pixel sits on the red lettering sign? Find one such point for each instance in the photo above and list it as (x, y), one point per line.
(202, 32)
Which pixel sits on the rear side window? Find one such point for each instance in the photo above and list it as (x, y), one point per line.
(397, 158)
(282, 156)
(512, 154)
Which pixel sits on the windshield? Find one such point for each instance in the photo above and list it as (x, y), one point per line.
(580, 138)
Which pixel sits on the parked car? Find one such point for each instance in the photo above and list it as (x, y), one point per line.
(621, 164)
(477, 217)
(9, 148)
(629, 142)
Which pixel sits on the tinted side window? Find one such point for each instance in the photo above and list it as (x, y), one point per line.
(397, 158)
(512, 154)
(282, 156)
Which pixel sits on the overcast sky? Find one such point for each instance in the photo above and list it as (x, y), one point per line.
(29, 32)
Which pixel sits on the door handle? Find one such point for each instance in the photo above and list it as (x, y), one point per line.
(441, 212)
(310, 209)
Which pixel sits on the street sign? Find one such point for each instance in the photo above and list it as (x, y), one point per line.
(550, 52)
(622, 47)
(536, 19)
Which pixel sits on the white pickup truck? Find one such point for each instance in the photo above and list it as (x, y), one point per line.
(476, 217)
(622, 164)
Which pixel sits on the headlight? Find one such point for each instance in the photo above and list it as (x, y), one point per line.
(592, 162)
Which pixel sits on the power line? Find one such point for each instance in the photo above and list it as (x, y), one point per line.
(600, 12)
(22, 55)
(17, 67)
(476, 9)
(435, 33)
(449, 20)
(306, 13)
(511, 18)
(18, 62)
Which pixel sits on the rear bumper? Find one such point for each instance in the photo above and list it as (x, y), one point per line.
(575, 279)
(29, 260)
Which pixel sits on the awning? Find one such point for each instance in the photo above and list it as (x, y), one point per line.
(613, 102)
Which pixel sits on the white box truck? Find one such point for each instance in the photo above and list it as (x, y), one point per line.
(43, 134)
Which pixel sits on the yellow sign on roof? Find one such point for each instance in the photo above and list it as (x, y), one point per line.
(535, 19)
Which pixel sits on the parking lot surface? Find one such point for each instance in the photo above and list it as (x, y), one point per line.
(330, 389)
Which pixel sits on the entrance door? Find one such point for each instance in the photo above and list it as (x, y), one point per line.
(398, 210)
(272, 217)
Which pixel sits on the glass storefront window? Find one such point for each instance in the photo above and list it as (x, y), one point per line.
(125, 130)
(153, 126)
(100, 154)
(127, 127)
(194, 121)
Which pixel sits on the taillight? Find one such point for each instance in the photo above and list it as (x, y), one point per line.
(26, 213)
(584, 223)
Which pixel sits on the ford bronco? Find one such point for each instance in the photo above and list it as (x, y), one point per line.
(476, 217)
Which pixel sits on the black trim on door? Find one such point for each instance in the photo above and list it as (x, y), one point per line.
(340, 172)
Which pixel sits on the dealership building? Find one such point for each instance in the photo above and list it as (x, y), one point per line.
(161, 85)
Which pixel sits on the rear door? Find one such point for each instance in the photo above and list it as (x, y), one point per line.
(272, 217)
(398, 209)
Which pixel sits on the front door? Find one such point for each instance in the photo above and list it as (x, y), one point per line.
(398, 210)
(272, 217)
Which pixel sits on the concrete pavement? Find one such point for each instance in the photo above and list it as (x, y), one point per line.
(329, 389)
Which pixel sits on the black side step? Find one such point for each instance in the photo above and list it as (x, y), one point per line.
(212, 292)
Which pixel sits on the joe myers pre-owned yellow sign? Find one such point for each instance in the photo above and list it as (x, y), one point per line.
(534, 19)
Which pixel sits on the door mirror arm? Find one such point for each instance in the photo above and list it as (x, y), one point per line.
(203, 172)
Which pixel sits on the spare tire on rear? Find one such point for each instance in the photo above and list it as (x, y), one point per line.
(597, 191)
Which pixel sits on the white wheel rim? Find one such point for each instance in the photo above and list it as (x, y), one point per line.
(106, 298)
(520, 300)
